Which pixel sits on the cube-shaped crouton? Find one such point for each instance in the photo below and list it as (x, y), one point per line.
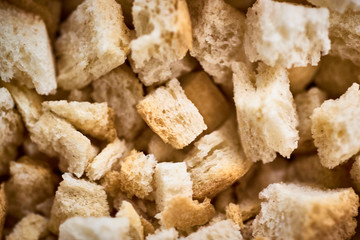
(301, 77)
(222, 230)
(3, 207)
(25, 50)
(335, 128)
(286, 35)
(77, 198)
(32, 226)
(93, 40)
(136, 230)
(290, 211)
(171, 115)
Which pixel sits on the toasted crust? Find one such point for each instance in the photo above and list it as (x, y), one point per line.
(234, 213)
(32, 226)
(3, 207)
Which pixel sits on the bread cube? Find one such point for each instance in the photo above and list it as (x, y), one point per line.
(222, 230)
(32, 226)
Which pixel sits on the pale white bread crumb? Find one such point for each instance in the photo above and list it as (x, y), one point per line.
(136, 174)
(56, 137)
(163, 152)
(222, 230)
(306, 102)
(30, 183)
(171, 115)
(93, 40)
(136, 230)
(80, 95)
(339, 6)
(6, 101)
(286, 35)
(163, 31)
(290, 211)
(105, 160)
(77, 198)
(164, 234)
(44, 208)
(95, 119)
(122, 91)
(32, 226)
(336, 75)
(218, 35)
(171, 180)
(3, 207)
(95, 228)
(335, 128)
(355, 173)
(25, 51)
(266, 112)
(301, 77)
(207, 98)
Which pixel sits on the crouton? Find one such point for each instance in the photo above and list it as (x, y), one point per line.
(93, 40)
(339, 6)
(171, 115)
(6, 101)
(164, 234)
(164, 152)
(136, 231)
(286, 35)
(290, 211)
(234, 213)
(3, 207)
(32, 226)
(301, 77)
(111, 183)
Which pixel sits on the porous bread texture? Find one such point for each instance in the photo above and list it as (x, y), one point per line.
(111, 183)
(266, 112)
(164, 234)
(338, 6)
(234, 213)
(207, 98)
(94, 228)
(163, 152)
(136, 230)
(306, 102)
(77, 198)
(286, 35)
(106, 159)
(136, 174)
(171, 180)
(30, 183)
(94, 119)
(93, 40)
(335, 128)
(3, 208)
(6, 101)
(122, 90)
(25, 51)
(163, 31)
(355, 173)
(290, 211)
(171, 115)
(218, 39)
(56, 137)
(336, 75)
(32, 226)
(301, 77)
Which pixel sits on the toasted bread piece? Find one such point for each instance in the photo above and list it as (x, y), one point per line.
(32, 226)
(164, 234)
(25, 53)
(301, 77)
(3, 207)
(136, 231)
(290, 211)
(77, 198)
(171, 115)
(339, 6)
(234, 213)
(93, 40)
(111, 183)
(94, 228)
(266, 112)
(164, 152)
(286, 35)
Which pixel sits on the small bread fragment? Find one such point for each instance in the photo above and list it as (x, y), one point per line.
(93, 40)
(164, 234)
(266, 112)
(25, 52)
(136, 231)
(286, 35)
(290, 211)
(335, 128)
(122, 90)
(94, 228)
(234, 213)
(301, 77)
(77, 197)
(6, 101)
(95, 119)
(3, 207)
(171, 115)
(339, 6)
(136, 174)
(31, 227)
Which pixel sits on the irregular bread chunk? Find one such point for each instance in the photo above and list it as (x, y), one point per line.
(301, 77)
(93, 40)
(31, 227)
(94, 228)
(234, 213)
(335, 128)
(3, 207)
(286, 35)
(290, 211)
(77, 197)
(171, 115)
(136, 231)
(266, 112)
(339, 6)
(164, 234)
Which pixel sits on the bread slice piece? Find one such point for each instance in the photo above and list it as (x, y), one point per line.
(77, 198)
(335, 128)
(163, 31)
(32, 226)
(286, 35)
(171, 115)
(290, 211)
(94, 228)
(3, 207)
(95, 119)
(136, 231)
(122, 90)
(339, 6)
(164, 234)
(301, 77)
(136, 174)
(266, 112)
(93, 40)
(25, 52)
